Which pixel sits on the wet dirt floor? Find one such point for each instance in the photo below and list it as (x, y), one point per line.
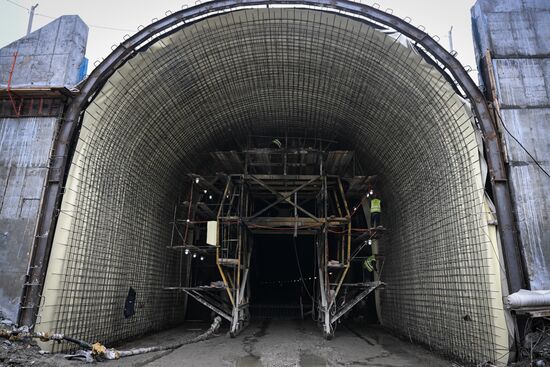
(283, 343)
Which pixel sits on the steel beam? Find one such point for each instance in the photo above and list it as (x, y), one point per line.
(284, 198)
(349, 305)
(208, 303)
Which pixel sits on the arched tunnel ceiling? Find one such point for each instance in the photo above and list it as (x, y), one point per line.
(206, 87)
(228, 81)
(357, 85)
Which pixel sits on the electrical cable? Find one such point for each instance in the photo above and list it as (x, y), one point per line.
(300, 271)
(92, 25)
(521, 145)
(16, 4)
(89, 25)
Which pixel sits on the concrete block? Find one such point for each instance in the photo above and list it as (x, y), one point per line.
(34, 182)
(11, 299)
(64, 40)
(40, 70)
(25, 146)
(530, 194)
(62, 61)
(14, 253)
(523, 82)
(29, 208)
(48, 57)
(505, 6)
(12, 196)
(519, 33)
(530, 127)
(530, 187)
(511, 28)
(45, 40)
(26, 142)
(15, 245)
(518, 36)
(4, 175)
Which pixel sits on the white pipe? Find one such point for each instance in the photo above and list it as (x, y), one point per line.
(524, 298)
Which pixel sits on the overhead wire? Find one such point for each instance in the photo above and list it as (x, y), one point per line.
(300, 271)
(16, 4)
(89, 25)
(520, 144)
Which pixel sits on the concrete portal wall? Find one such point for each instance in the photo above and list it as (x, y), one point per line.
(517, 34)
(25, 146)
(48, 57)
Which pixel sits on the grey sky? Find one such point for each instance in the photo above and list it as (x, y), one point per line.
(109, 21)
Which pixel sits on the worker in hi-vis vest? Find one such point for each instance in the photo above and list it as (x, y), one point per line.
(375, 211)
(368, 267)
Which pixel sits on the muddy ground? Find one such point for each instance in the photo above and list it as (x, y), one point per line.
(277, 343)
(273, 344)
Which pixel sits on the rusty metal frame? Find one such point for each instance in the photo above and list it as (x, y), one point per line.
(282, 197)
(66, 141)
(349, 305)
(234, 274)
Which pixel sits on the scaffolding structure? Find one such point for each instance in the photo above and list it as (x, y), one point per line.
(282, 190)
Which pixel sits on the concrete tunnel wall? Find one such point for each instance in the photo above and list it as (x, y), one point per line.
(517, 37)
(48, 57)
(205, 88)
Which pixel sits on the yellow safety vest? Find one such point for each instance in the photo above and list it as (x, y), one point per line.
(368, 263)
(375, 206)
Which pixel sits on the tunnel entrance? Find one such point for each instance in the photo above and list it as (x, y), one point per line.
(160, 118)
(283, 278)
(280, 190)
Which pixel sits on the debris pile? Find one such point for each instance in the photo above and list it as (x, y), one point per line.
(18, 347)
(99, 352)
(538, 345)
(16, 350)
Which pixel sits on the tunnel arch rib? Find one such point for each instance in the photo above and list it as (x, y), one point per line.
(155, 32)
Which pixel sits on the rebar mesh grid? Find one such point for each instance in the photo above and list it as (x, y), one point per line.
(210, 85)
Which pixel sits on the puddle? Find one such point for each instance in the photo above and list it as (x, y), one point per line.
(249, 361)
(311, 360)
